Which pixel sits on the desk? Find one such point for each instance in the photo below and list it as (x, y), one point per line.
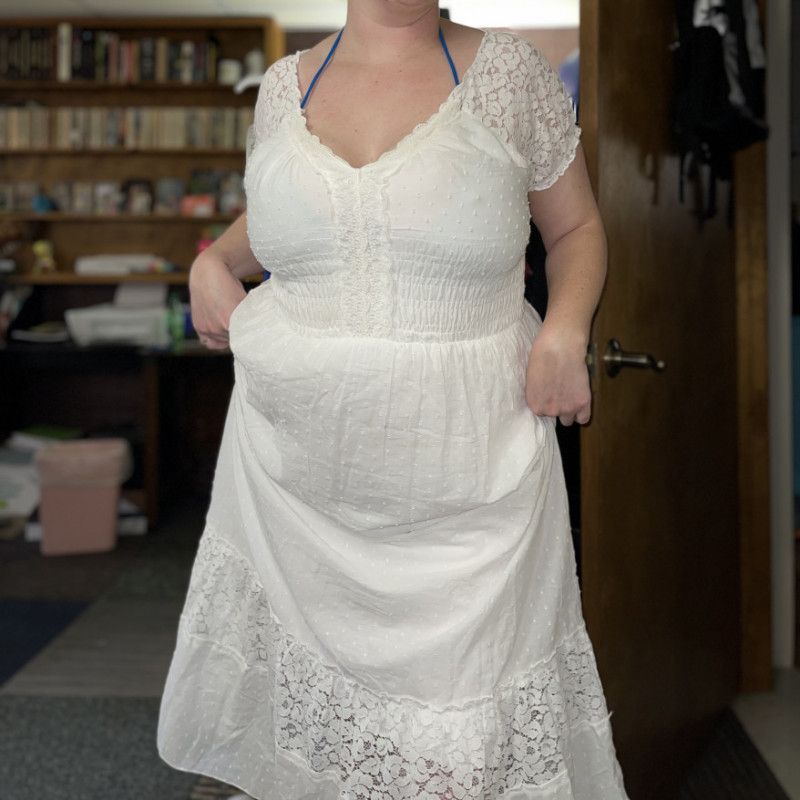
(170, 404)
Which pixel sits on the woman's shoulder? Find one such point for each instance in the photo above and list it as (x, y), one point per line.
(312, 57)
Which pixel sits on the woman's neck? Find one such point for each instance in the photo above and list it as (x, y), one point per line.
(388, 31)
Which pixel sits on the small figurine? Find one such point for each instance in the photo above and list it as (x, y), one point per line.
(43, 257)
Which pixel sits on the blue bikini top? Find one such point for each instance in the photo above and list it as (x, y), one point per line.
(336, 44)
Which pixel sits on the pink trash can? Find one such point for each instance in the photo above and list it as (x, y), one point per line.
(80, 484)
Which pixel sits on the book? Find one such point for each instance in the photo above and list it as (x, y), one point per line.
(169, 192)
(83, 197)
(107, 197)
(138, 195)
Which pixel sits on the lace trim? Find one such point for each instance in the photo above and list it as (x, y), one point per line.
(273, 102)
(275, 98)
(510, 86)
(553, 140)
(384, 745)
(360, 206)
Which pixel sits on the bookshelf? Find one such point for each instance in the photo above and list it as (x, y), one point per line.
(113, 86)
(173, 402)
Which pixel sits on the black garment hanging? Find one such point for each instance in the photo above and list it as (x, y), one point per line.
(718, 102)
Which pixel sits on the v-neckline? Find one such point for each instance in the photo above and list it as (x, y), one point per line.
(405, 140)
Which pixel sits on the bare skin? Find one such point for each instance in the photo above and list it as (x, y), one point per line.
(388, 75)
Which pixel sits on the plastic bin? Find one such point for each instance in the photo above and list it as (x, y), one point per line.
(80, 484)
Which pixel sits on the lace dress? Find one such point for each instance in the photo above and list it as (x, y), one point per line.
(384, 602)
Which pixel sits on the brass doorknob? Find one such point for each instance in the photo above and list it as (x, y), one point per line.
(615, 358)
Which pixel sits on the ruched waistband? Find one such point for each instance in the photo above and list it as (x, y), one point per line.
(420, 310)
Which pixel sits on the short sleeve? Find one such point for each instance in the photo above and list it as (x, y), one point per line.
(550, 132)
(275, 94)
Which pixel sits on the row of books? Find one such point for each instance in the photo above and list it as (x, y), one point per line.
(26, 53)
(72, 52)
(207, 191)
(34, 126)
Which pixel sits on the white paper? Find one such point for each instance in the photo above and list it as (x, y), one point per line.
(141, 295)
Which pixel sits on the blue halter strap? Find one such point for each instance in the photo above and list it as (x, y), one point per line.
(336, 44)
(447, 53)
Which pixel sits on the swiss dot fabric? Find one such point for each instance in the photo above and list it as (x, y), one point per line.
(384, 603)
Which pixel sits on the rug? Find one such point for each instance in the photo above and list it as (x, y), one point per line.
(26, 626)
(731, 768)
(84, 748)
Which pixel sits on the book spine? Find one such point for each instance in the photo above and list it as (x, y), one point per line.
(24, 53)
(64, 52)
(147, 62)
(186, 63)
(4, 38)
(113, 57)
(162, 59)
(87, 55)
(136, 74)
(13, 54)
(174, 71)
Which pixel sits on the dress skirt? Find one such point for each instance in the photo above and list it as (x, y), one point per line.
(384, 602)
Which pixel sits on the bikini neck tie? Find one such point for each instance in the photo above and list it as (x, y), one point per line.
(336, 44)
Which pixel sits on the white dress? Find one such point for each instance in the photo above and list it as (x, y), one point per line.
(384, 604)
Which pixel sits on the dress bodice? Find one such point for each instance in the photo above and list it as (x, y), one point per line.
(427, 242)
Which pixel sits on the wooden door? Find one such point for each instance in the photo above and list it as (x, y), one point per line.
(659, 536)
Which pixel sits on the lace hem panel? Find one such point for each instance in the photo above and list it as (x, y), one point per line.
(383, 745)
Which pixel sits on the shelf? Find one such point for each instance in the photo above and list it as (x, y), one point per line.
(160, 23)
(71, 279)
(59, 216)
(112, 151)
(102, 86)
(42, 353)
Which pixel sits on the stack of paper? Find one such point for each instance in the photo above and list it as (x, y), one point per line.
(118, 264)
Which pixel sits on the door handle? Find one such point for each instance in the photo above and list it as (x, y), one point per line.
(615, 358)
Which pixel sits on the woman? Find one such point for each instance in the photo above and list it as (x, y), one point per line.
(384, 603)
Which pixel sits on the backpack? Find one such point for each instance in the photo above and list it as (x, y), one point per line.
(718, 99)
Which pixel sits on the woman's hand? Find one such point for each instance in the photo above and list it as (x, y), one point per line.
(214, 293)
(557, 378)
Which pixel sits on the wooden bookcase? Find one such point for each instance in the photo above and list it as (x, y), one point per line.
(172, 237)
(103, 387)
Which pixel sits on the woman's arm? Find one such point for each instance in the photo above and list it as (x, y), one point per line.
(569, 222)
(215, 287)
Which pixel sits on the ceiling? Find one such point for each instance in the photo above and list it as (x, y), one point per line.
(306, 14)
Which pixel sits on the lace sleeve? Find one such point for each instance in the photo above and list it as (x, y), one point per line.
(272, 102)
(550, 132)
